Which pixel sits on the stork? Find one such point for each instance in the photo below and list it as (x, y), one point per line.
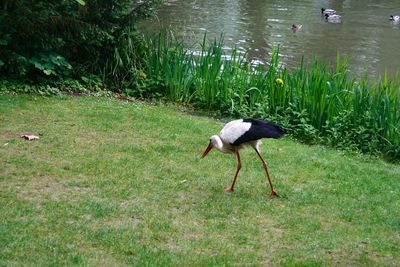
(245, 132)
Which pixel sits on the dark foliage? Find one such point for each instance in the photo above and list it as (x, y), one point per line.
(55, 38)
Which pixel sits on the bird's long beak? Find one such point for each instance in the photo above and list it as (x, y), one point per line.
(210, 146)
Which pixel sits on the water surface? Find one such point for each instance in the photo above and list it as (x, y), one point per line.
(365, 35)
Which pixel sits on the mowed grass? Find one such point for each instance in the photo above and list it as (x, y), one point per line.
(115, 183)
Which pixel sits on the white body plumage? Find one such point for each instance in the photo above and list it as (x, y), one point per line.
(394, 18)
(231, 132)
(328, 11)
(333, 18)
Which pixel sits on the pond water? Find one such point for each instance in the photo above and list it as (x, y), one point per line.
(365, 34)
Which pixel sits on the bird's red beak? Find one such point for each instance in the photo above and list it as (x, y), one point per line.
(210, 146)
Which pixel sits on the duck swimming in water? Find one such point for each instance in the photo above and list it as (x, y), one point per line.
(333, 18)
(328, 11)
(296, 27)
(394, 18)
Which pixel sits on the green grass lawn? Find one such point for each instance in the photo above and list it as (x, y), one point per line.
(114, 183)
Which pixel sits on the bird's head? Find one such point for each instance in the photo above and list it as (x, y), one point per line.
(215, 141)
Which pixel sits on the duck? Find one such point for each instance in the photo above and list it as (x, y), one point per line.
(296, 27)
(329, 11)
(394, 18)
(333, 18)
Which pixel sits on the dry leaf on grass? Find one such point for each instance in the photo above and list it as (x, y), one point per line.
(30, 137)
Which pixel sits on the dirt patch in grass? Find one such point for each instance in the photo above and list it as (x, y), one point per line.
(44, 187)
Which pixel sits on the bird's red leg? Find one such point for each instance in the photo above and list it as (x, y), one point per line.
(231, 188)
(269, 177)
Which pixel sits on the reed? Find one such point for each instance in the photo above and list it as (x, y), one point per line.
(315, 102)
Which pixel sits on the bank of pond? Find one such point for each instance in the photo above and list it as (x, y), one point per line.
(316, 102)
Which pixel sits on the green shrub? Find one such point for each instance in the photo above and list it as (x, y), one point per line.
(59, 38)
(318, 104)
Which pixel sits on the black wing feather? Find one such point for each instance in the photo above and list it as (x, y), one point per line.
(260, 129)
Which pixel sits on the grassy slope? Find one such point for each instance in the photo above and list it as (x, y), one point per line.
(122, 183)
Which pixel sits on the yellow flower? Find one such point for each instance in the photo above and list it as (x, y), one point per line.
(142, 74)
(279, 81)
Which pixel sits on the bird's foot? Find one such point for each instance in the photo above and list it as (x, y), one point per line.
(229, 190)
(273, 194)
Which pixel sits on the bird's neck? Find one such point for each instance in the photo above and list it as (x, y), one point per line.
(220, 145)
(217, 142)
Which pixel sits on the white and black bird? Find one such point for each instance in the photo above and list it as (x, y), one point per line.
(394, 18)
(328, 11)
(245, 132)
(333, 18)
